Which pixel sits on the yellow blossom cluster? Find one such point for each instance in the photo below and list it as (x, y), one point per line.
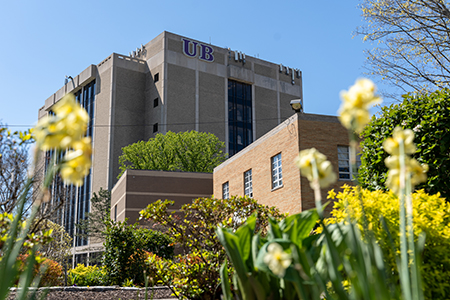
(392, 146)
(277, 260)
(65, 131)
(306, 161)
(354, 111)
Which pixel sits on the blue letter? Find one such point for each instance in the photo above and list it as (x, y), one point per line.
(186, 46)
(206, 53)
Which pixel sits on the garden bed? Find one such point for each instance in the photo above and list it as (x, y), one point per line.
(102, 292)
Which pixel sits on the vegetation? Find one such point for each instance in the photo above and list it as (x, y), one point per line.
(428, 115)
(195, 273)
(83, 275)
(189, 151)
(431, 215)
(412, 48)
(126, 249)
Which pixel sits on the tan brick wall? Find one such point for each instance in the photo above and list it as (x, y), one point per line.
(300, 131)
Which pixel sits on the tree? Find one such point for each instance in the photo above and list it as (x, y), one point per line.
(189, 151)
(14, 162)
(428, 115)
(195, 273)
(94, 225)
(413, 42)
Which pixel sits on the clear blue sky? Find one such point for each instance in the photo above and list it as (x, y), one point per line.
(42, 41)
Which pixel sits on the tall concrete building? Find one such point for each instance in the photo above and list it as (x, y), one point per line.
(173, 83)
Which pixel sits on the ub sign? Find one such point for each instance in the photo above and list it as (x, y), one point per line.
(190, 49)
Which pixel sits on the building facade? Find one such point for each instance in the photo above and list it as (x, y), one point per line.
(172, 83)
(265, 170)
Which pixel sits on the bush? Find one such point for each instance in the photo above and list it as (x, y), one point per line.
(52, 271)
(431, 216)
(86, 276)
(428, 115)
(195, 274)
(126, 248)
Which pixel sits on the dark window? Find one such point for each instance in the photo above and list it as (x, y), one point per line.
(155, 127)
(239, 116)
(155, 102)
(156, 77)
(115, 212)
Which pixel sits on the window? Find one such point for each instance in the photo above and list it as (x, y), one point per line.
(240, 130)
(248, 187)
(345, 172)
(155, 127)
(115, 212)
(226, 190)
(155, 102)
(156, 77)
(277, 175)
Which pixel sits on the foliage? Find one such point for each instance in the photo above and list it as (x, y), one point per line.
(14, 147)
(193, 230)
(189, 151)
(83, 275)
(50, 271)
(126, 249)
(428, 115)
(94, 225)
(59, 247)
(431, 215)
(192, 276)
(411, 38)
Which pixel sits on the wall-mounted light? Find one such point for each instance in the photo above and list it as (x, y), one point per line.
(297, 105)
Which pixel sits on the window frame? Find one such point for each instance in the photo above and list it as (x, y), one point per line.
(276, 171)
(248, 183)
(344, 163)
(226, 190)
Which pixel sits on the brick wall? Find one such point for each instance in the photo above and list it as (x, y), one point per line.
(300, 131)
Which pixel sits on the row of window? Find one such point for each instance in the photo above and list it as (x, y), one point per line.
(345, 172)
(277, 179)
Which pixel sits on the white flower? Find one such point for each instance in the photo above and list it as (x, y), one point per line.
(277, 260)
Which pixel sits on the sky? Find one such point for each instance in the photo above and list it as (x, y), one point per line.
(43, 41)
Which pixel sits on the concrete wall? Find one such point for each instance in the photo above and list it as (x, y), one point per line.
(138, 188)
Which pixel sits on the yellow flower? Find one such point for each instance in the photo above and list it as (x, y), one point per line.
(416, 170)
(354, 111)
(68, 125)
(391, 145)
(324, 168)
(77, 163)
(277, 260)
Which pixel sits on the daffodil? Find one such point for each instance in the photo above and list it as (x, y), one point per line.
(354, 111)
(324, 168)
(392, 145)
(277, 260)
(77, 163)
(69, 124)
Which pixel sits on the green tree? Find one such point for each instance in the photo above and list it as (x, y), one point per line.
(94, 225)
(189, 151)
(126, 249)
(428, 115)
(195, 273)
(412, 45)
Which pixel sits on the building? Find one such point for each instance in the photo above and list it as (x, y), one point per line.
(172, 83)
(265, 170)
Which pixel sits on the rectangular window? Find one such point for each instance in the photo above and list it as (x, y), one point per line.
(156, 77)
(239, 116)
(345, 171)
(155, 102)
(248, 187)
(226, 190)
(277, 174)
(115, 213)
(155, 127)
